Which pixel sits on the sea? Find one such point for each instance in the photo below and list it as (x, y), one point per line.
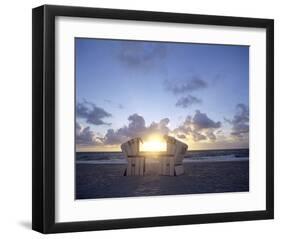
(218, 155)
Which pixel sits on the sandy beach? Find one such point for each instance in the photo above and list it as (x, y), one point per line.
(107, 180)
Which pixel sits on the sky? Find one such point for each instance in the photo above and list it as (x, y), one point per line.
(198, 93)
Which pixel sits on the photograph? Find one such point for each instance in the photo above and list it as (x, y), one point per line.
(157, 118)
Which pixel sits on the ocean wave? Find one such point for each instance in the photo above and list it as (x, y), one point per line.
(224, 158)
(220, 158)
(102, 161)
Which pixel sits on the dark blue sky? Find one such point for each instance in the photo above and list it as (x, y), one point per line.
(201, 92)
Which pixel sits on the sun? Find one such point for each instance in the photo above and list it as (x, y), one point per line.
(153, 144)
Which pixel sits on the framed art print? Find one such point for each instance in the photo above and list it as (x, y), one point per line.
(147, 119)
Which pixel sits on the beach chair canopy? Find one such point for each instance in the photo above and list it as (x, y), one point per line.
(131, 147)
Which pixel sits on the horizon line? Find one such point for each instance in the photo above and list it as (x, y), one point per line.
(192, 150)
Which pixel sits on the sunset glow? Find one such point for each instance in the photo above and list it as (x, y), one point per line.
(153, 144)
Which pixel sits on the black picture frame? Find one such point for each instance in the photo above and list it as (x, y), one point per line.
(43, 116)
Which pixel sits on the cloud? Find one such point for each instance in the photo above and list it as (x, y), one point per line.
(159, 128)
(200, 127)
(181, 136)
(140, 54)
(210, 134)
(118, 105)
(107, 101)
(84, 136)
(184, 86)
(91, 113)
(136, 128)
(198, 136)
(136, 125)
(187, 101)
(202, 121)
(240, 121)
(115, 137)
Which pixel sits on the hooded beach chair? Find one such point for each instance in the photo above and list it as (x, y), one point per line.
(136, 163)
(172, 163)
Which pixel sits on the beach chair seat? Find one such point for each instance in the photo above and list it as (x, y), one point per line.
(167, 165)
(135, 166)
(179, 170)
